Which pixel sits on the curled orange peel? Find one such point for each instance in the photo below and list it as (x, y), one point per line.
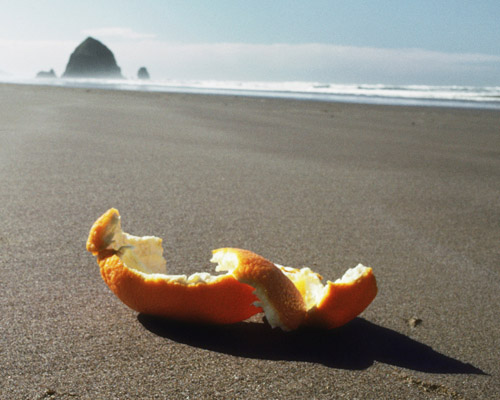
(134, 269)
(281, 301)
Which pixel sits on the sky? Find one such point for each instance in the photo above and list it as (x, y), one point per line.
(425, 42)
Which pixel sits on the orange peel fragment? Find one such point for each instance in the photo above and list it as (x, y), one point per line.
(307, 302)
(281, 301)
(134, 269)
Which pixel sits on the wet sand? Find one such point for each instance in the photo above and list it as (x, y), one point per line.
(411, 191)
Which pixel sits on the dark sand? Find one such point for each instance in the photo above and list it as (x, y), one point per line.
(412, 192)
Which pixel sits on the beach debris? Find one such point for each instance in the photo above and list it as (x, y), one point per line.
(134, 269)
(293, 297)
(413, 322)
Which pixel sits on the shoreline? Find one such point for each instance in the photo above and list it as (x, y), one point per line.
(410, 191)
(239, 89)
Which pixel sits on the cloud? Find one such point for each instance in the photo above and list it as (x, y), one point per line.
(309, 62)
(117, 32)
(267, 62)
(24, 58)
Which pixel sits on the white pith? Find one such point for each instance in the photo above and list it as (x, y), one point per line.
(144, 255)
(353, 274)
(308, 284)
(271, 315)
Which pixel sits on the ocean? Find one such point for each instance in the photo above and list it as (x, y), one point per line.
(407, 95)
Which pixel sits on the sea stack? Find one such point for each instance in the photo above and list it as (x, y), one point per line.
(46, 74)
(143, 73)
(92, 59)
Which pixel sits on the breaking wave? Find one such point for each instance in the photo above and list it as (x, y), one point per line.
(423, 95)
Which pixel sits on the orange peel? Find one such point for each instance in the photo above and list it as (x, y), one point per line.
(281, 301)
(307, 302)
(134, 269)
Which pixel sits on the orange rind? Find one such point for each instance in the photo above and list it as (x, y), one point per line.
(281, 301)
(134, 269)
(343, 300)
(307, 302)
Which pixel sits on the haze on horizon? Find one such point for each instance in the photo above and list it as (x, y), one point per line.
(436, 43)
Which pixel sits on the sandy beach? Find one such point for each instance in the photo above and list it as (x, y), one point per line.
(412, 192)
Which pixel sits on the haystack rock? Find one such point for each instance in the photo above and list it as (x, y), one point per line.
(143, 73)
(92, 59)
